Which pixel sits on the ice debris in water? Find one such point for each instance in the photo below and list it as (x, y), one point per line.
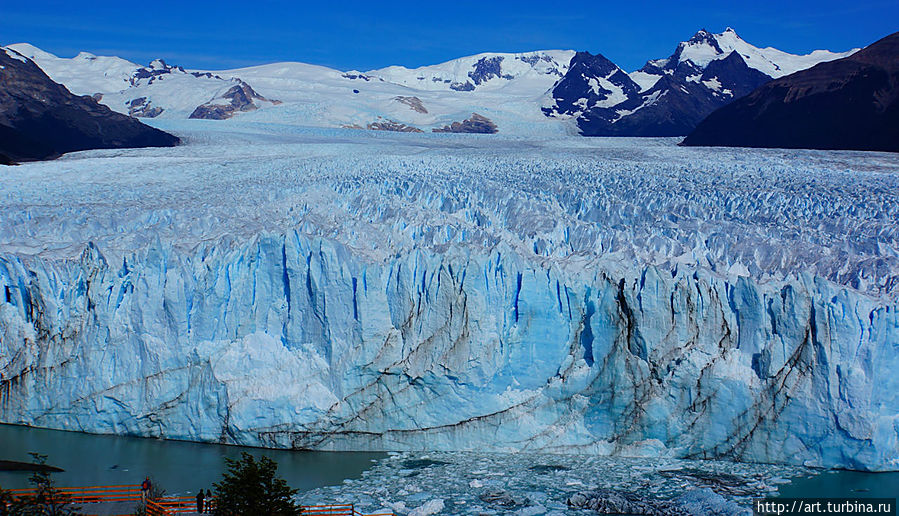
(534, 484)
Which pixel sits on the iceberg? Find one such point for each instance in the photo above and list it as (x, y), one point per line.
(314, 289)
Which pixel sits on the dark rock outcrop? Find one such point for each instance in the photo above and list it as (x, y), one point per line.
(239, 98)
(476, 124)
(462, 86)
(141, 107)
(414, 103)
(683, 95)
(579, 90)
(674, 105)
(155, 70)
(694, 502)
(502, 499)
(533, 59)
(356, 75)
(12, 465)
(40, 119)
(851, 103)
(487, 68)
(392, 125)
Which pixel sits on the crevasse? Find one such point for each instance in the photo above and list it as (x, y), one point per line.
(290, 341)
(282, 286)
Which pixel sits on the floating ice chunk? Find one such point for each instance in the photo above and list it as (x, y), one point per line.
(431, 507)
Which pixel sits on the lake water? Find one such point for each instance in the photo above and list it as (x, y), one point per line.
(463, 482)
(177, 466)
(844, 484)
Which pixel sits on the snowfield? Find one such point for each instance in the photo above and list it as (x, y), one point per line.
(275, 285)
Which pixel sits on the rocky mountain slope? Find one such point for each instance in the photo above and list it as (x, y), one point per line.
(505, 89)
(41, 119)
(850, 103)
(158, 89)
(668, 97)
(543, 92)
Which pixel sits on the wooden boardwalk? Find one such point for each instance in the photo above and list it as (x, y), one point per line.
(124, 500)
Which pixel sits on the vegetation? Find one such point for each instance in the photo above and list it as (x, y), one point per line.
(46, 501)
(156, 493)
(6, 502)
(251, 487)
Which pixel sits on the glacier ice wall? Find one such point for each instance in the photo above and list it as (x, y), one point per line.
(441, 303)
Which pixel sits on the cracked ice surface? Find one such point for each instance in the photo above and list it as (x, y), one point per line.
(280, 286)
(536, 484)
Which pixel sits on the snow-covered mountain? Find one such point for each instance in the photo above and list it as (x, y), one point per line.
(527, 72)
(668, 97)
(591, 82)
(851, 103)
(705, 47)
(84, 74)
(157, 89)
(506, 89)
(40, 119)
(544, 92)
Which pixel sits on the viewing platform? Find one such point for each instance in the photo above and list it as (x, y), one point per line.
(124, 500)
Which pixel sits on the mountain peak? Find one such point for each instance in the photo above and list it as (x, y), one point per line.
(41, 119)
(482, 71)
(844, 104)
(701, 36)
(14, 54)
(704, 47)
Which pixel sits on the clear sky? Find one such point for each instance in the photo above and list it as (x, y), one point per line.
(364, 35)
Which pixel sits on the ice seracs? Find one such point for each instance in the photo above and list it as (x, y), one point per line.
(456, 292)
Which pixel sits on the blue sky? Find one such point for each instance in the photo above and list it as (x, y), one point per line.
(366, 35)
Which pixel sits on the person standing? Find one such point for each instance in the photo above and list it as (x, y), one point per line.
(145, 487)
(200, 499)
(208, 501)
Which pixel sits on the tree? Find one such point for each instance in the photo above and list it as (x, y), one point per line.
(47, 499)
(251, 487)
(10, 505)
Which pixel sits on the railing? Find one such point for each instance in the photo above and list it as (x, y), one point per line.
(155, 509)
(337, 510)
(186, 504)
(93, 494)
(170, 505)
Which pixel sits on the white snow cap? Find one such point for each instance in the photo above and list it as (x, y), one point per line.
(770, 61)
(15, 55)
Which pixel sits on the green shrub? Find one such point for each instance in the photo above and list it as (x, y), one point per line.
(251, 487)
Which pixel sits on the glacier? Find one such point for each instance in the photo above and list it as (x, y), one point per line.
(280, 286)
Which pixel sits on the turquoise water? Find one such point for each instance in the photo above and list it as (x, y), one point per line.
(843, 484)
(178, 467)
(376, 478)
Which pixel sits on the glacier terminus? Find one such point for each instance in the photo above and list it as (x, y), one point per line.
(333, 289)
